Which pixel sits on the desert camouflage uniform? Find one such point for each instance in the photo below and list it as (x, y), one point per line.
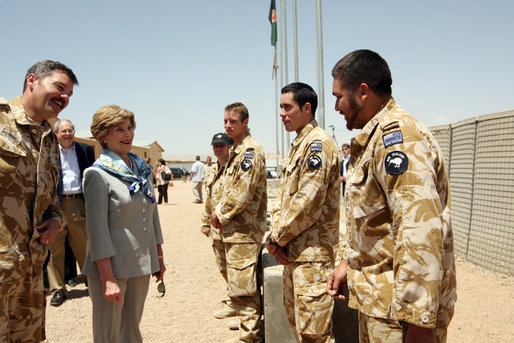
(242, 212)
(306, 223)
(214, 190)
(399, 245)
(29, 162)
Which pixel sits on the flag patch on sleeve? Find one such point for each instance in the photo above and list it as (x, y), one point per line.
(316, 146)
(392, 138)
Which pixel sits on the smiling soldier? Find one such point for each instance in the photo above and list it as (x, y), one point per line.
(29, 209)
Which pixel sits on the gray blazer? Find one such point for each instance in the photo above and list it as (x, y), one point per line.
(122, 227)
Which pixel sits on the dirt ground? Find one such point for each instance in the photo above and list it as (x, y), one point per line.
(484, 310)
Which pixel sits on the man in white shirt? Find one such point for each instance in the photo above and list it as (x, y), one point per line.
(344, 166)
(74, 157)
(196, 177)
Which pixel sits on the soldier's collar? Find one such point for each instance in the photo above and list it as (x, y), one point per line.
(238, 148)
(367, 131)
(305, 131)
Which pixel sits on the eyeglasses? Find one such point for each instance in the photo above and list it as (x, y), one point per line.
(67, 131)
(161, 289)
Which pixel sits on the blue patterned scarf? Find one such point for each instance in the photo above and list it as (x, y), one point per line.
(114, 165)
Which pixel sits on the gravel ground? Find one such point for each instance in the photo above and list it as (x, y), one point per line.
(484, 310)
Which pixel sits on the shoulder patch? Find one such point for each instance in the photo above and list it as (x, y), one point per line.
(396, 162)
(314, 162)
(246, 165)
(390, 125)
(249, 154)
(316, 147)
(4, 105)
(392, 138)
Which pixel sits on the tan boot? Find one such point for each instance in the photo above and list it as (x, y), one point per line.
(233, 324)
(226, 311)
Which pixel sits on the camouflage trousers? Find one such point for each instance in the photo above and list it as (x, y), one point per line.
(22, 317)
(218, 247)
(242, 288)
(308, 306)
(381, 330)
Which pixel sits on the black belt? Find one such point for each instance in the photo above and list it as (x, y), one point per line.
(72, 196)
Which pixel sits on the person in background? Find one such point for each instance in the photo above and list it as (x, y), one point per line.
(398, 250)
(221, 144)
(30, 216)
(123, 229)
(75, 157)
(207, 169)
(240, 215)
(162, 185)
(196, 177)
(345, 163)
(305, 221)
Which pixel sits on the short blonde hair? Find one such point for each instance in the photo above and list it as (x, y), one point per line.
(107, 117)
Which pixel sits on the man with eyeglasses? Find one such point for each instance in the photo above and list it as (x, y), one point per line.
(75, 157)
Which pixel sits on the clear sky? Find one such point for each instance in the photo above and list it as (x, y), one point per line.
(176, 64)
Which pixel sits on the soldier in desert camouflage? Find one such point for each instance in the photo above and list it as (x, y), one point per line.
(305, 221)
(29, 208)
(213, 181)
(241, 217)
(398, 250)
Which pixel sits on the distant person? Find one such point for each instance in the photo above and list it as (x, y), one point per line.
(344, 165)
(305, 223)
(196, 177)
(398, 249)
(30, 216)
(162, 184)
(274, 174)
(123, 228)
(207, 168)
(221, 144)
(240, 215)
(184, 174)
(75, 157)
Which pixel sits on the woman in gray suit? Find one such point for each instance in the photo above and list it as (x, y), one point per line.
(123, 229)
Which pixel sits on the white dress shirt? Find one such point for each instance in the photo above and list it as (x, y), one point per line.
(71, 183)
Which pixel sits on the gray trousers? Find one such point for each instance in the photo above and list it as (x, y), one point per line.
(113, 323)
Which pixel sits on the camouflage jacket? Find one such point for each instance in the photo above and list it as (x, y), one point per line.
(29, 172)
(399, 244)
(306, 219)
(213, 180)
(242, 208)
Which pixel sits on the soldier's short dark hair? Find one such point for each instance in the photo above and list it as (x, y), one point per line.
(240, 108)
(302, 94)
(43, 68)
(364, 66)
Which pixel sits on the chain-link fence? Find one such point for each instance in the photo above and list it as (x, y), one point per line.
(479, 153)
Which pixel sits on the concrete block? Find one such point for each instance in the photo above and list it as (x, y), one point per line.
(276, 327)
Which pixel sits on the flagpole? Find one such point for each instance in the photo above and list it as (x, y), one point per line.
(295, 34)
(285, 64)
(321, 88)
(277, 113)
(281, 35)
(272, 17)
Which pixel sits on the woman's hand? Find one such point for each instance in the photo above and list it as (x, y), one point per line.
(112, 291)
(162, 268)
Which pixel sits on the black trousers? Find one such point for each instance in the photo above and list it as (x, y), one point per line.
(163, 192)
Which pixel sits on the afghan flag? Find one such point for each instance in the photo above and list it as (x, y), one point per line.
(272, 17)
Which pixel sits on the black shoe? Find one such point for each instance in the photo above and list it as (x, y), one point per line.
(58, 298)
